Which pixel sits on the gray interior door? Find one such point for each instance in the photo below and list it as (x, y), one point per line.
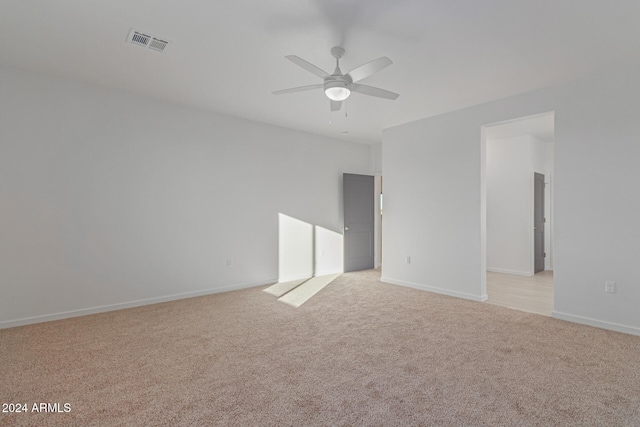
(358, 193)
(538, 223)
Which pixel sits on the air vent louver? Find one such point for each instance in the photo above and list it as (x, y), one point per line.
(148, 41)
(157, 44)
(138, 38)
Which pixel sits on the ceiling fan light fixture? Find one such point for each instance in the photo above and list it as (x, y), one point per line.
(337, 90)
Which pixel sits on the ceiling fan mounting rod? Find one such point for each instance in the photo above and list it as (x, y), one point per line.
(337, 53)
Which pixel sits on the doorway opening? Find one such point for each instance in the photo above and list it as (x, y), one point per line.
(518, 212)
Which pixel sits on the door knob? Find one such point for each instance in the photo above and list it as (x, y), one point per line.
(346, 228)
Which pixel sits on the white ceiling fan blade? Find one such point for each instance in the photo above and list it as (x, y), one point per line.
(298, 89)
(369, 68)
(307, 66)
(335, 105)
(374, 91)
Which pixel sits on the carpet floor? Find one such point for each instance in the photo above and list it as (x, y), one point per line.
(360, 352)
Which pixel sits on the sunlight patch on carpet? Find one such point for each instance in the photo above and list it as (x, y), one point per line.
(302, 293)
(280, 289)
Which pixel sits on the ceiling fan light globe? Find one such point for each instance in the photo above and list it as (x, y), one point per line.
(337, 91)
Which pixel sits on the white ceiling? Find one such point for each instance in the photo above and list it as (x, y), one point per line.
(228, 56)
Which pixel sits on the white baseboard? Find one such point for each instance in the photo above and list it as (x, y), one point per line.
(137, 303)
(479, 298)
(514, 272)
(596, 323)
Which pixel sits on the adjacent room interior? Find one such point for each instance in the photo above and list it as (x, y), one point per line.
(519, 218)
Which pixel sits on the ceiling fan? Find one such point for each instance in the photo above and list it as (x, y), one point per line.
(337, 86)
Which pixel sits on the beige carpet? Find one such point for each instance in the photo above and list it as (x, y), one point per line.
(359, 353)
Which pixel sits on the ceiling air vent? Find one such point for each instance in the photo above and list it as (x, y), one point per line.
(147, 40)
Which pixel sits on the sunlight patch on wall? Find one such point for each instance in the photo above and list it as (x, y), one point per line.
(305, 250)
(329, 251)
(295, 249)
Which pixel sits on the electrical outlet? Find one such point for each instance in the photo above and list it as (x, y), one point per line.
(408, 260)
(229, 263)
(610, 287)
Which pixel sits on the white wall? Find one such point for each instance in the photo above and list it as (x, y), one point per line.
(376, 159)
(329, 252)
(295, 249)
(433, 198)
(511, 163)
(109, 200)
